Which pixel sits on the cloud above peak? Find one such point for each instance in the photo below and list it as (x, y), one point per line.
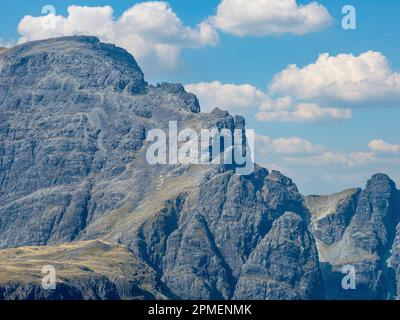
(303, 112)
(332, 159)
(381, 146)
(151, 31)
(295, 145)
(241, 98)
(269, 148)
(345, 78)
(229, 96)
(269, 17)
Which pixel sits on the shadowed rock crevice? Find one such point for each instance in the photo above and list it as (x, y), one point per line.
(284, 265)
(153, 234)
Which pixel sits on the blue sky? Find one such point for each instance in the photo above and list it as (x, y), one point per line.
(327, 153)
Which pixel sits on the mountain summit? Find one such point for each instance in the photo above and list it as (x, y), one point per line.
(76, 192)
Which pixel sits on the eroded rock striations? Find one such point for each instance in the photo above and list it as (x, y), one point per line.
(75, 182)
(358, 228)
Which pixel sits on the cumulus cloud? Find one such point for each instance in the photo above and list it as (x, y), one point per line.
(287, 109)
(295, 145)
(151, 31)
(303, 112)
(328, 159)
(245, 97)
(324, 158)
(383, 147)
(319, 170)
(302, 94)
(269, 17)
(226, 96)
(298, 152)
(344, 77)
(267, 147)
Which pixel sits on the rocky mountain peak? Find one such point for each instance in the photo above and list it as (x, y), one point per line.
(70, 64)
(380, 183)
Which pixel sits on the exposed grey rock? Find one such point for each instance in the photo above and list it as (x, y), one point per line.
(220, 225)
(284, 265)
(365, 242)
(194, 267)
(331, 215)
(66, 148)
(395, 258)
(373, 226)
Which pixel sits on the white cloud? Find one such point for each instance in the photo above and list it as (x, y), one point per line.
(344, 77)
(245, 97)
(317, 170)
(295, 145)
(269, 17)
(331, 159)
(226, 96)
(383, 147)
(151, 31)
(267, 147)
(303, 112)
(262, 140)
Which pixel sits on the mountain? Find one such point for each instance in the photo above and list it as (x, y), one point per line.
(77, 192)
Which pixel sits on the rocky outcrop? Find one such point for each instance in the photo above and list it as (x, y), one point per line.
(394, 261)
(331, 215)
(284, 265)
(357, 228)
(221, 225)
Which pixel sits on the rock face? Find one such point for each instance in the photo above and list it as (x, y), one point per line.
(332, 214)
(284, 262)
(74, 113)
(394, 261)
(358, 228)
(74, 118)
(221, 224)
